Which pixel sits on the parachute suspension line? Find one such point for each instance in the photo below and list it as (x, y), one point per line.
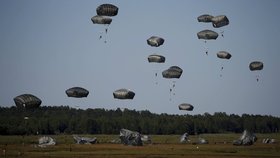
(257, 78)
(222, 33)
(222, 67)
(156, 77)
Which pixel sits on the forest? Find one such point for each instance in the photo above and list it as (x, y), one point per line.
(67, 120)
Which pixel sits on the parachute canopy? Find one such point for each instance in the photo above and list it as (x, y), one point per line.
(184, 138)
(107, 10)
(46, 141)
(77, 92)
(223, 55)
(256, 65)
(177, 68)
(220, 21)
(205, 18)
(84, 140)
(101, 20)
(130, 137)
(155, 41)
(185, 106)
(172, 72)
(156, 58)
(123, 94)
(27, 101)
(247, 138)
(207, 35)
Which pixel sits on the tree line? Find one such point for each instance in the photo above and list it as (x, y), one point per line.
(67, 120)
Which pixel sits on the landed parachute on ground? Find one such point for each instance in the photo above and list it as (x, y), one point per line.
(205, 18)
(185, 106)
(154, 58)
(107, 10)
(184, 138)
(220, 21)
(27, 101)
(46, 141)
(223, 55)
(256, 65)
(247, 138)
(77, 92)
(123, 94)
(172, 72)
(207, 35)
(84, 140)
(155, 41)
(130, 137)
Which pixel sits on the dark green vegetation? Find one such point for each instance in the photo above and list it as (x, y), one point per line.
(163, 146)
(63, 119)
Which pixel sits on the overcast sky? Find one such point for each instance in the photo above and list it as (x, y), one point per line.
(48, 46)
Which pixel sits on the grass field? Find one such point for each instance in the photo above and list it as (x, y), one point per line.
(163, 146)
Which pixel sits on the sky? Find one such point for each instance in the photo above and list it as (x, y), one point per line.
(49, 46)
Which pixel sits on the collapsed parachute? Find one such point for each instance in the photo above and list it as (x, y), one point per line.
(155, 41)
(205, 18)
(123, 94)
(247, 138)
(185, 106)
(77, 92)
(130, 137)
(46, 141)
(27, 101)
(207, 35)
(84, 140)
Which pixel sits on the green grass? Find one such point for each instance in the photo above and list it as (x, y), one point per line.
(163, 146)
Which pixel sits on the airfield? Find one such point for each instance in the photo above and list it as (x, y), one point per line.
(162, 146)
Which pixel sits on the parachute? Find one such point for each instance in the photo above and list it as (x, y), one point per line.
(130, 137)
(172, 72)
(207, 35)
(256, 66)
(223, 55)
(107, 10)
(84, 140)
(156, 58)
(101, 20)
(247, 138)
(123, 94)
(185, 106)
(220, 21)
(27, 101)
(155, 41)
(205, 18)
(77, 92)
